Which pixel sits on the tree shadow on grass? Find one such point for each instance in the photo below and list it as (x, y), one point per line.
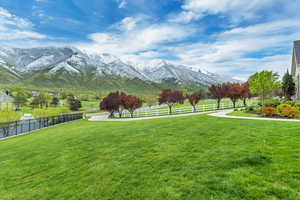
(252, 160)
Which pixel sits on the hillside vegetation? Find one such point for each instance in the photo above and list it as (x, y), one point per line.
(91, 83)
(196, 157)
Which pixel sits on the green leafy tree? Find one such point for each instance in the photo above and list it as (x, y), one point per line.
(42, 100)
(288, 86)
(20, 96)
(55, 101)
(74, 104)
(264, 84)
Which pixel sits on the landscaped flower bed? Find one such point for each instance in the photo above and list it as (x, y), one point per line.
(275, 108)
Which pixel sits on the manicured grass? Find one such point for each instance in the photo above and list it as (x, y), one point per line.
(89, 105)
(243, 114)
(196, 157)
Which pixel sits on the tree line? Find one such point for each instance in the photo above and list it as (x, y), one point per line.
(261, 84)
(117, 102)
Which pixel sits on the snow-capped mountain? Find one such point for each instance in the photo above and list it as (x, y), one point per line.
(53, 60)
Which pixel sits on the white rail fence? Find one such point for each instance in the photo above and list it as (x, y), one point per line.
(178, 110)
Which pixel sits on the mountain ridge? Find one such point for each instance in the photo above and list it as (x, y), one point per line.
(68, 66)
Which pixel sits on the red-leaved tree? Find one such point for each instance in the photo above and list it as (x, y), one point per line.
(111, 102)
(171, 98)
(234, 92)
(218, 92)
(131, 103)
(194, 99)
(246, 93)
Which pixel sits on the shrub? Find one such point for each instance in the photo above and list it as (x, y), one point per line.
(250, 108)
(272, 103)
(291, 103)
(269, 111)
(74, 104)
(282, 106)
(290, 112)
(297, 105)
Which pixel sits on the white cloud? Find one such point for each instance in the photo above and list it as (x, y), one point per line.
(237, 9)
(135, 38)
(244, 50)
(14, 28)
(238, 52)
(6, 18)
(129, 23)
(186, 16)
(122, 3)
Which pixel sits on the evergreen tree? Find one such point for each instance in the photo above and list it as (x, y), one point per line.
(288, 86)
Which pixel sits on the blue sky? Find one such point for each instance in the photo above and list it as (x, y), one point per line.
(234, 37)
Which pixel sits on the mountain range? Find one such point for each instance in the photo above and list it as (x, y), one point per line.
(58, 66)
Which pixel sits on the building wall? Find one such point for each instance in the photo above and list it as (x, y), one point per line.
(296, 74)
(297, 81)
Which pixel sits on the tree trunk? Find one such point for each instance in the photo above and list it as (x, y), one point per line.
(233, 102)
(245, 102)
(218, 103)
(170, 110)
(194, 107)
(131, 114)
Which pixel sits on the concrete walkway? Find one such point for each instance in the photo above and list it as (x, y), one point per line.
(224, 113)
(221, 113)
(104, 117)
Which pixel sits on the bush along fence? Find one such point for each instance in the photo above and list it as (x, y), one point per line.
(9, 129)
(178, 110)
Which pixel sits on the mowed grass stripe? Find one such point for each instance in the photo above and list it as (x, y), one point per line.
(195, 157)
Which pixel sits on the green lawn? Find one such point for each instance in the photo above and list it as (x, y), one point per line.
(90, 105)
(194, 158)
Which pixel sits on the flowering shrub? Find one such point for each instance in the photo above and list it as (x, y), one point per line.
(297, 105)
(281, 107)
(268, 111)
(290, 112)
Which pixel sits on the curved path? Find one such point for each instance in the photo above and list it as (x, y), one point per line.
(224, 113)
(104, 117)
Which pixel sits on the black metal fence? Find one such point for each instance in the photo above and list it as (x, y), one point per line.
(8, 129)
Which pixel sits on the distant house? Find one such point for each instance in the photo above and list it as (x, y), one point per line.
(35, 93)
(296, 68)
(6, 101)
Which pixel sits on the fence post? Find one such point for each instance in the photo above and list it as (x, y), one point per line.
(16, 123)
(22, 127)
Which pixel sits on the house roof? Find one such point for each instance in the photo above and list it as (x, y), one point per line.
(297, 51)
(5, 98)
